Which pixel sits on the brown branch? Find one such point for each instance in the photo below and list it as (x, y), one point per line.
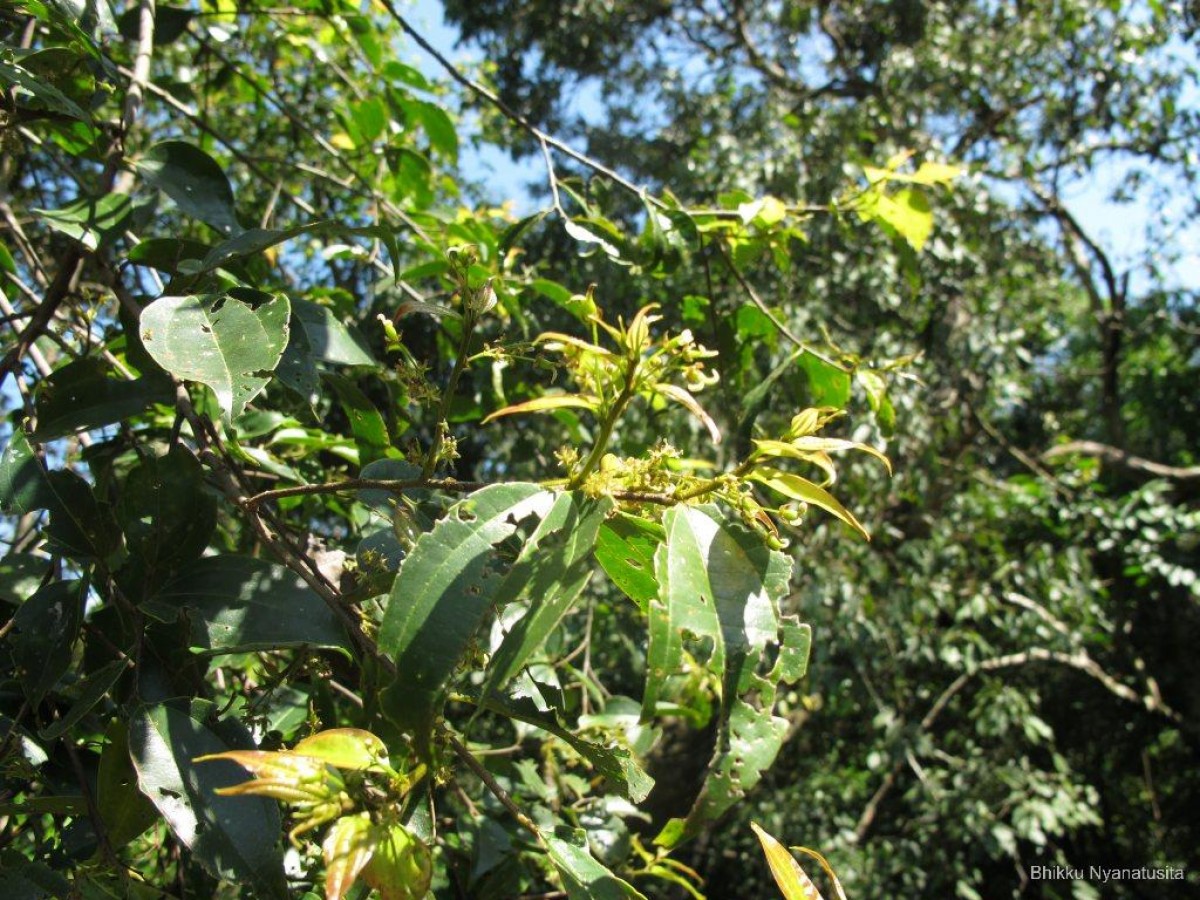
(362, 484)
(1119, 457)
(70, 267)
(492, 785)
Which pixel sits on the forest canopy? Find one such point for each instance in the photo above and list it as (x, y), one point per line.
(805, 458)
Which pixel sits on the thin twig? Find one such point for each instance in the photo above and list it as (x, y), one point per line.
(492, 785)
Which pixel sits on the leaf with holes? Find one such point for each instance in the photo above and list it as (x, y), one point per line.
(625, 550)
(442, 593)
(229, 342)
(720, 584)
(552, 570)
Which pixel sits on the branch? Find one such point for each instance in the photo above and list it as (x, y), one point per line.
(1125, 460)
(511, 114)
(71, 266)
(359, 484)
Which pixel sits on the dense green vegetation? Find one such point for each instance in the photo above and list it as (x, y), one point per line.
(527, 556)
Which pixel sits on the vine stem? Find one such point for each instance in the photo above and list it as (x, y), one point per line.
(460, 365)
(467, 757)
(606, 430)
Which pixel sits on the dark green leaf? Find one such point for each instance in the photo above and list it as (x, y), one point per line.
(80, 396)
(329, 340)
(237, 838)
(366, 423)
(552, 570)
(89, 692)
(236, 603)
(192, 178)
(45, 629)
(251, 242)
(169, 254)
(126, 811)
(166, 512)
(79, 525)
(617, 764)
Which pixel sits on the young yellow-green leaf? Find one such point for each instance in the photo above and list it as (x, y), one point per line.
(348, 847)
(546, 403)
(802, 489)
(401, 867)
(793, 883)
(352, 749)
(692, 405)
(908, 212)
(837, 884)
(218, 340)
(803, 447)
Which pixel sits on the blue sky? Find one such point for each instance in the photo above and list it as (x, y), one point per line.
(1119, 228)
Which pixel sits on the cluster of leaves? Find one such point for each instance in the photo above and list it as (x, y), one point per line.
(255, 500)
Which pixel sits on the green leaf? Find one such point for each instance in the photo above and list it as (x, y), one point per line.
(721, 584)
(90, 691)
(552, 570)
(366, 423)
(91, 221)
(251, 242)
(802, 489)
(236, 604)
(625, 550)
(20, 575)
(401, 867)
(236, 838)
(329, 341)
(80, 396)
(582, 876)
(616, 763)
(166, 512)
(442, 593)
(126, 811)
(218, 340)
(828, 385)
(586, 231)
(168, 254)
(13, 75)
(45, 629)
(192, 178)
(79, 525)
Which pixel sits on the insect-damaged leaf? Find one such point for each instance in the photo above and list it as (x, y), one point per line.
(721, 585)
(441, 594)
(224, 341)
(551, 571)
